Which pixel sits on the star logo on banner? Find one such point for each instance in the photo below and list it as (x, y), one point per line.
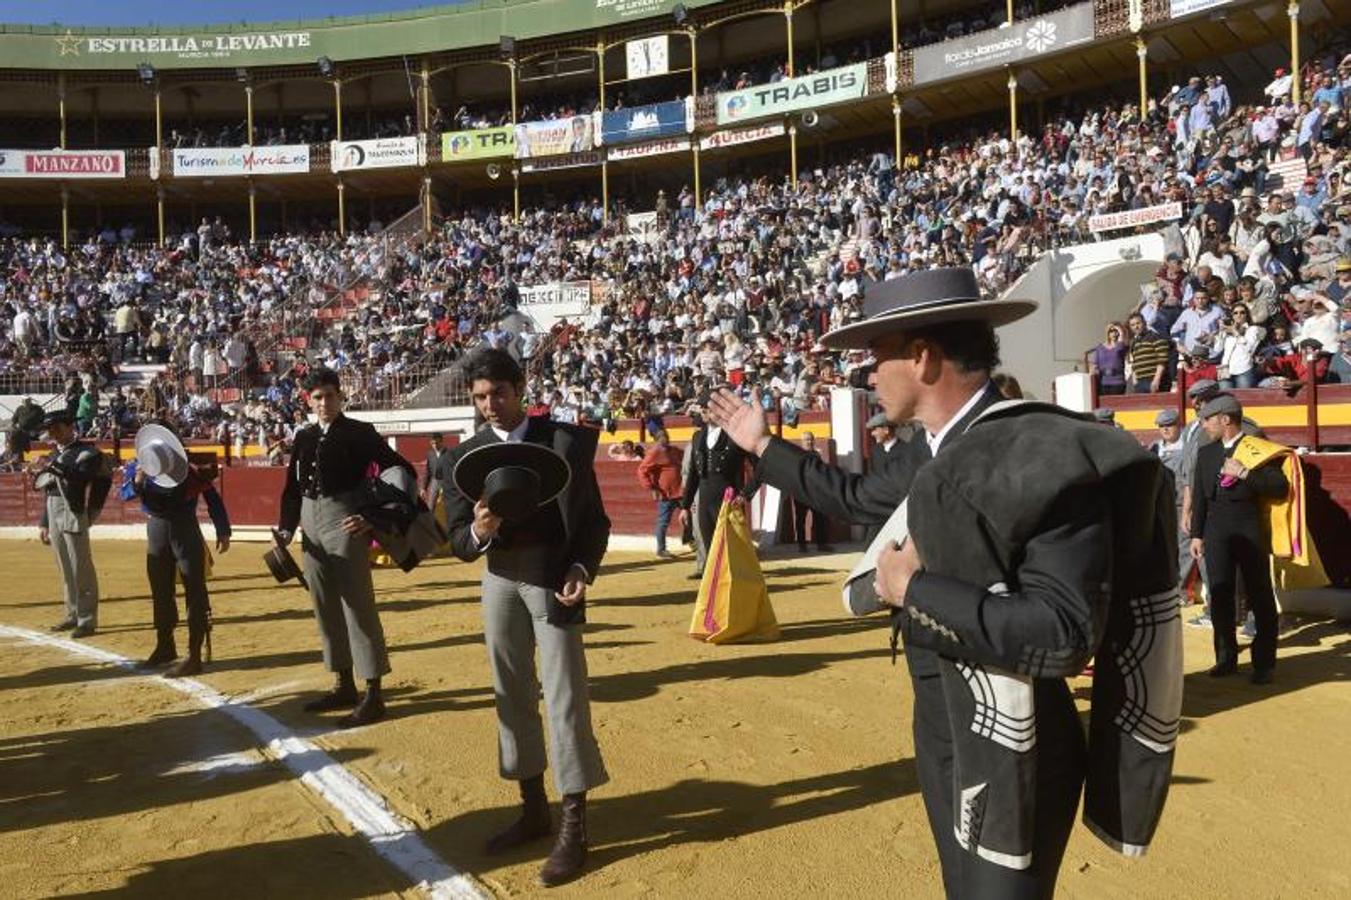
(1041, 36)
(69, 44)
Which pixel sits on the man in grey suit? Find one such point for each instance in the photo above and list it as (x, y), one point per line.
(76, 480)
(534, 596)
(436, 482)
(329, 462)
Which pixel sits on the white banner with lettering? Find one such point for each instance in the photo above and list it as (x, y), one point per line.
(381, 153)
(286, 159)
(1129, 218)
(547, 303)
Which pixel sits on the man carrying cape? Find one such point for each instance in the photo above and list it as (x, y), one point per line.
(1036, 541)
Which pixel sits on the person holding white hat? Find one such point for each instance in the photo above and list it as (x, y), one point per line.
(168, 486)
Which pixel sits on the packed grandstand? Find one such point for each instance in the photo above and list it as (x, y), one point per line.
(675, 198)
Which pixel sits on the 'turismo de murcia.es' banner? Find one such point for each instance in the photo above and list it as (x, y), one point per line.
(203, 162)
(63, 164)
(793, 94)
(381, 153)
(1147, 215)
(996, 47)
(555, 137)
(735, 136)
(482, 143)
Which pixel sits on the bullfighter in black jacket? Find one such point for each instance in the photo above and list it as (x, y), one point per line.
(534, 596)
(1035, 542)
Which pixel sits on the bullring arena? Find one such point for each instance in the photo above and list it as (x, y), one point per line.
(639, 200)
(753, 770)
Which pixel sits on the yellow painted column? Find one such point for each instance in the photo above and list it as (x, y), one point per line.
(1142, 54)
(426, 97)
(788, 17)
(896, 120)
(248, 113)
(1013, 106)
(698, 189)
(65, 217)
(253, 211)
(792, 154)
(604, 163)
(515, 194)
(61, 105)
(896, 29)
(159, 213)
(1296, 83)
(337, 107)
(1010, 12)
(342, 209)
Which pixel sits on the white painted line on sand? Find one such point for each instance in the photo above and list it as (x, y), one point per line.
(392, 838)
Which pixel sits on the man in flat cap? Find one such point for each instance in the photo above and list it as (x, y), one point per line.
(887, 447)
(1193, 438)
(76, 480)
(1226, 531)
(1006, 585)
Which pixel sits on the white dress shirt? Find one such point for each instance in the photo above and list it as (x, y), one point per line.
(936, 440)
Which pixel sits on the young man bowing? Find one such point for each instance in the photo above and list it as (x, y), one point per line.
(534, 597)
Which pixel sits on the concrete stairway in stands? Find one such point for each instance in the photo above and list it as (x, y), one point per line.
(1287, 174)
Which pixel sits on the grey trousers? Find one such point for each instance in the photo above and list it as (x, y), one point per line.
(338, 568)
(75, 562)
(514, 624)
(176, 544)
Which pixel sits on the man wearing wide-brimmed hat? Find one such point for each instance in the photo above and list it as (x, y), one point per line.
(1036, 541)
(75, 479)
(168, 486)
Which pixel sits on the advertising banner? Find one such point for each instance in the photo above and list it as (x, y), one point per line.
(1179, 8)
(482, 143)
(642, 227)
(205, 162)
(381, 153)
(555, 137)
(640, 123)
(63, 164)
(735, 136)
(648, 56)
(547, 303)
(793, 94)
(1148, 215)
(654, 148)
(996, 47)
(566, 161)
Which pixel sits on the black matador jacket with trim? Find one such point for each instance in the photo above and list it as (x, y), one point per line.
(1047, 541)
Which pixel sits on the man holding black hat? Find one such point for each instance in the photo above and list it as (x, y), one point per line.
(168, 486)
(527, 498)
(1035, 541)
(329, 463)
(76, 480)
(1226, 531)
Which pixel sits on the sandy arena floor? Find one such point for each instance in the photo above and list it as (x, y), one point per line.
(745, 771)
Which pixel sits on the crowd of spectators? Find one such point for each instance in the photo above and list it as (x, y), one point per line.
(737, 286)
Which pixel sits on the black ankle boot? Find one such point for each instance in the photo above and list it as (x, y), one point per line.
(343, 695)
(166, 651)
(371, 709)
(566, 860)
(192, 663)
(533, 823)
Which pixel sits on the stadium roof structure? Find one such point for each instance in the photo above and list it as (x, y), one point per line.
(424, 30)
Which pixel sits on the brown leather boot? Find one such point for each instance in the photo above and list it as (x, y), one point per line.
(533, 823)
(569, 854)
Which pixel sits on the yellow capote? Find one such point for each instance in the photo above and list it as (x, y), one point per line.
(733, 602)
(1294, 558)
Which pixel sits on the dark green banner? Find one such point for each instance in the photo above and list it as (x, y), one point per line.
(436, 29)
